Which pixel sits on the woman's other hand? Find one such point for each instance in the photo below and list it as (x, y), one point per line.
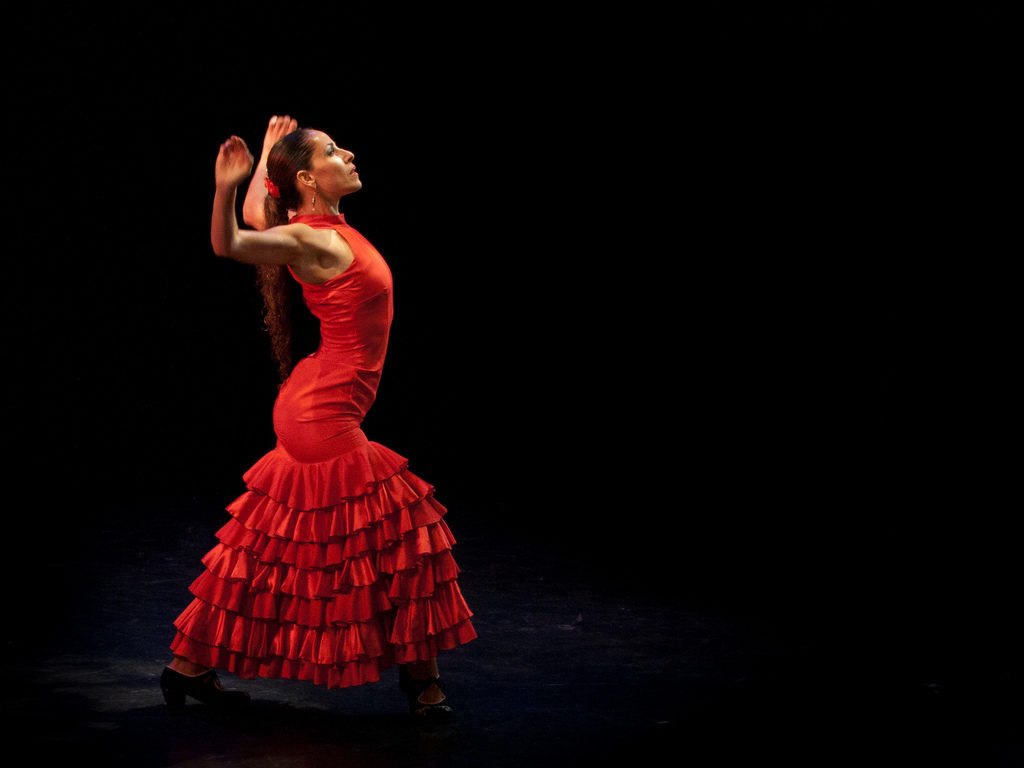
(279, 125)
(234, 163)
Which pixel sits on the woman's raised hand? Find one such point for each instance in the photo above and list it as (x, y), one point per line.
(279, 125)
(234, 163)
(252, 207)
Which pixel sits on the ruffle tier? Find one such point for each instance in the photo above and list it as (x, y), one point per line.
(328, 572)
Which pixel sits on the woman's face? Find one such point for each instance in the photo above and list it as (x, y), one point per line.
(332, 167)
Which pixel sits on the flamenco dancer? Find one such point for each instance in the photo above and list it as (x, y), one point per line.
(335, 564)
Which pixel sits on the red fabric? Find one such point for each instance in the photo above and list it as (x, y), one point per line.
(336, 562)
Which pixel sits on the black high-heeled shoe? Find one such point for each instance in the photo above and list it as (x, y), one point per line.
(205, 688)
(414, 688)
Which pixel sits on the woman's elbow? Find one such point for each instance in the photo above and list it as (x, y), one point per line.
(254, 217)
(221, 248)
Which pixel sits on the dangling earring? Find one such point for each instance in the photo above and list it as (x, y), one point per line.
(314, 198)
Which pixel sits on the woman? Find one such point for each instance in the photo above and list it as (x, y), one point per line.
(335, 564)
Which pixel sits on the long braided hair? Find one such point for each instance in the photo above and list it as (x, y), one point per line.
(291, 154)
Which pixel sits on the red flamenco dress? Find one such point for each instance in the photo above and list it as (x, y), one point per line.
(335, 563)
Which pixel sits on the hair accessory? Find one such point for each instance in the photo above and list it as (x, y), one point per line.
(271, 188)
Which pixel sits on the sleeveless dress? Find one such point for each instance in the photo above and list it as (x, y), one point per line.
(335, 563)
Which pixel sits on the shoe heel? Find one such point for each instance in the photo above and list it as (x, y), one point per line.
(174, 696)
(174, 699)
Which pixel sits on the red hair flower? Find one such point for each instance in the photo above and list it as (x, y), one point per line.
(271, 188)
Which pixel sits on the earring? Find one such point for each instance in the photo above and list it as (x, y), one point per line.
(314, 198)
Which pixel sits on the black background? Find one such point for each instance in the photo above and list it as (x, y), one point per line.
(712, 303)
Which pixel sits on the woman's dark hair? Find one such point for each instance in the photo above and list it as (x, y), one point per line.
(292, 153)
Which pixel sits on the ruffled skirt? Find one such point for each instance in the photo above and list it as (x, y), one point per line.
(328, 572)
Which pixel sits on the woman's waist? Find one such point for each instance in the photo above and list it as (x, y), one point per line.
(334, 412)
(319, 385)
(349, 357)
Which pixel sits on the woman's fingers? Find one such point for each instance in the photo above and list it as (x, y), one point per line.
(282, 124)
(234, 154)
(234, 147)
(279, 125)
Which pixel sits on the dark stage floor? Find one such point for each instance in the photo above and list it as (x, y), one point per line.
(567, 670)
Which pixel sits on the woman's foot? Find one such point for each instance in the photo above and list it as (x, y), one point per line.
(204, 687)
(426, 695)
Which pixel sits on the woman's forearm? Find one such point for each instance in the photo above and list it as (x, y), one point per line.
(234, 164)
(253, 213)
(223, 225)
(273, 246)
(252, 206)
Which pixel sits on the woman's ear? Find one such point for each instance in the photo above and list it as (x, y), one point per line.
(305, 178)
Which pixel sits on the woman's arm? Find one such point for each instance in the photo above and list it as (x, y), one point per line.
(252, 206)
(315, 254)
(277, 246)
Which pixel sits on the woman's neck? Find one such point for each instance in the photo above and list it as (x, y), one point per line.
(319, 210)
